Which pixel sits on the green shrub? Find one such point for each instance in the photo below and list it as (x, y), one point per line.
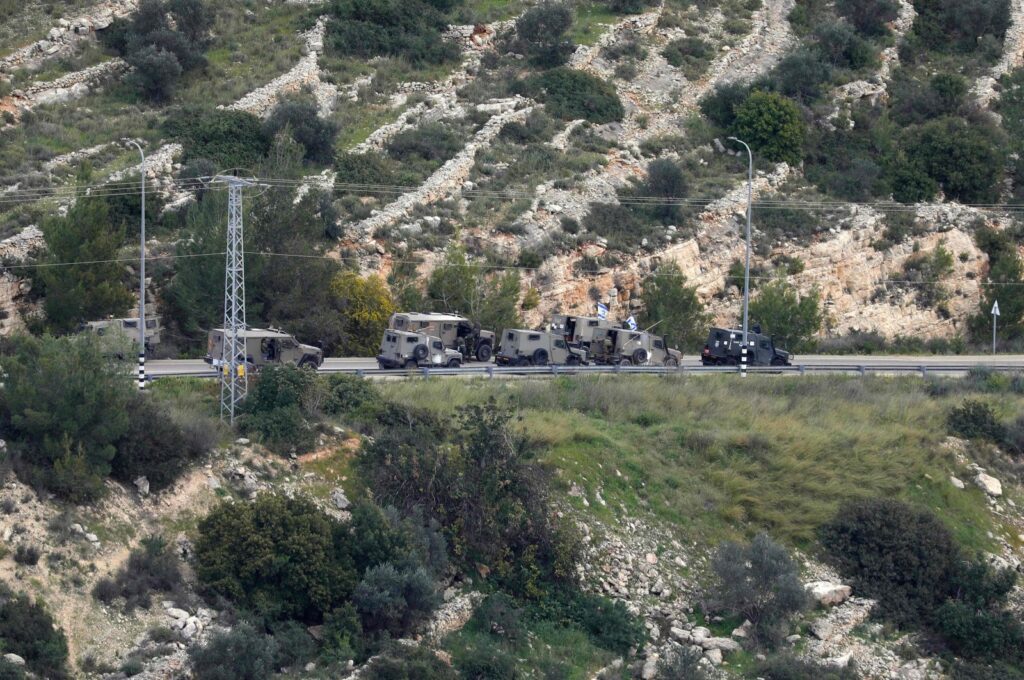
(278, 408)
(228, 139)
(65, 413)
(608, 623)
(300, 117)
(152, 567)
(570, 94)
(683, 664)
(295, 647)
(541, 35)
(772, 125)
(484, 496)
(869, 17)
(974, 420)
(692, 55)
(1013, 440)
(395, 601)
(280, 557)
(239, 654)
(969, 670)
(427, 142)
(160, 51)
(903, 557)
(410, 29)
(347, 394)
(720, 105)
(8, 671)
(926, 273)
(965, 160)
(960, 26)
(363, 168)
(758, 582)
(790, 319)
(675, 306)
(28, 630)
(27, 555)
(343, 635)
(630, 6)
(1004, 265)
(801, 76)
(499, 616)
(155, 445)
(618, 224)
(915, 102)
(843, 48)
(154, 71)
(488, 662)
(402, 662)
(789, 667)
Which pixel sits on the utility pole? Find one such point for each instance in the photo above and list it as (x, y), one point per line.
(142, 273)
(746, 268)
(234, 382)
(995, 316)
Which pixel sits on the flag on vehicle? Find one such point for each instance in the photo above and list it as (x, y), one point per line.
(602, 310)
(631, 322)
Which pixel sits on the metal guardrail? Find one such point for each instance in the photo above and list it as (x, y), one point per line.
(491, 370)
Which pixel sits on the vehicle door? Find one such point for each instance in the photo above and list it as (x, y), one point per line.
(559, 350)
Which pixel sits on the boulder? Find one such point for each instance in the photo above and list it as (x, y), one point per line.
(142, 484)
(828, 594)
(339, 499)
(956, 482)
(989, 484)
(743, 631)
(14, 659)
(650, 668)
(176, 613)
(714, 656)
(720, 643)
(699, 633)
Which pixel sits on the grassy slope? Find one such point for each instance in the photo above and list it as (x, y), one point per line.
(714, 457)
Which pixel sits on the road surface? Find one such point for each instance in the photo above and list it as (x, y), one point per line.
(811, 362)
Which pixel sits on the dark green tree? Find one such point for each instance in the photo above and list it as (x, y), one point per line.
(967, 161)
(299, 116)
(541, 34)
(94, 289)
(570, 94)
(66, 406)
(790, 319)
(28, 630)
(672, 308)
(458, 286)
(869, 17)
(1005, 274)
(772, 125)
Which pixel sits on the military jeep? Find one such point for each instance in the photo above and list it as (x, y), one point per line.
(402, 349)
(725, 348)
(119, 337)
(456, 332)
(265, 346)
(626, 347)
(537, 348)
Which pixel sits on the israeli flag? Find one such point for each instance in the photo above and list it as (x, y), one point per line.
(602, 310)
(631, 322)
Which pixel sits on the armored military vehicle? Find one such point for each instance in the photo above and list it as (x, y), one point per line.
(121, 336)
(456, 332)
(724, 348)
(404, 349)
(606, 343)
(264, 346)
(537, 348)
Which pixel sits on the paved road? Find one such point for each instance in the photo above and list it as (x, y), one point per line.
(169, 367)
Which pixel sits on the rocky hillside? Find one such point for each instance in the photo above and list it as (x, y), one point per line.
(527, 179)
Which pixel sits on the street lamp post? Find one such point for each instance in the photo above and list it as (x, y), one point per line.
(142, 273)
(746, 268)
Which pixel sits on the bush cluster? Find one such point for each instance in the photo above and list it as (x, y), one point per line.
(692, 55)
(227, 139)
(541, 35)
(164, 40)
(975, 419)
(299, 117)
(758, 582)
(411, 29)
(570, 94)
(907, 560)
(74, 419)
(28, 630)
(151, 568)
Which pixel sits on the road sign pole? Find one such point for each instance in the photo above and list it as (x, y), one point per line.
(995, 317)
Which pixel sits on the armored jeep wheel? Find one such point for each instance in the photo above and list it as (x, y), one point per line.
(778, 361)
(483, 352)
(640, 356)
(572, 360)
(625, 362)
(672, 362)
(540, 357)
(522, 361)
(411, 364)
(420, 352)
(308, 362)
(454, 363)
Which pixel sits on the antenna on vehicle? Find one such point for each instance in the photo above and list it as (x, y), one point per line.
(648, 329)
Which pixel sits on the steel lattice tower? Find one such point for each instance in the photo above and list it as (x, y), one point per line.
(234, 382)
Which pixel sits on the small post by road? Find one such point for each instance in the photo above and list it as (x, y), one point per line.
(746, 268)
(995, 316)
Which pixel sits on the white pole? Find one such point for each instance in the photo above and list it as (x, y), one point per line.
(746, 268)
(142, 274)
